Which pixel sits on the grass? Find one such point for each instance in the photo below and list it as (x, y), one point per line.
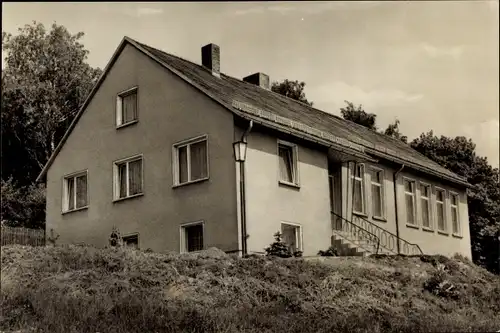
(84, 289)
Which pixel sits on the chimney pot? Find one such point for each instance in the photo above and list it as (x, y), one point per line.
(210, 58)
(259, 79)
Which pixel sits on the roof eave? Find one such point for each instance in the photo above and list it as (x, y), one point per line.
(455, 180)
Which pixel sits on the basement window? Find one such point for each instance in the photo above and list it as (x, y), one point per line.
(131, 241)
(292, 236)
(192, 237)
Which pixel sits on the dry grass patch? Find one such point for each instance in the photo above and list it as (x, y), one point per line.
(83, 289)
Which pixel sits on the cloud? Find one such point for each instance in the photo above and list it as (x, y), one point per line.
(133, 11)
(336, 92)
(251, 10)
(310, 8)
(435, 52)
(146, 11)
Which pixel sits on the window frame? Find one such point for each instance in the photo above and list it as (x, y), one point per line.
(298, 238)
(116, 177)
(65, 197)
(132, 235)
(295, 163)
(414, 195)
(119, 107)
(183, 246)
(429, 206)
(445, 215)
(382, 193)
(457, 207)
(175, 160)
(363, 187)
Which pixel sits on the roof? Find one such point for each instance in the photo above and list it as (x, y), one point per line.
(277, 111)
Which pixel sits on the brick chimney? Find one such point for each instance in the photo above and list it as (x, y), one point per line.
(259, 79)
(210, 58)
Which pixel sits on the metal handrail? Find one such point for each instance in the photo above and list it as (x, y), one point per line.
(388, 239)
(358, 232)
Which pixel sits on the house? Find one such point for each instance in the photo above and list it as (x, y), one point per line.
(151, 153)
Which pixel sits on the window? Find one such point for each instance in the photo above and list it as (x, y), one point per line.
(291, 235)
(441, 222)
(377, 180)
(425, 194)
(409, 187)
(131, 241)
(75, 192)
(126, 107)
(192, 237)
(359, 189)
(128, 177)
(455, 224)
(287, 155)
(191, 161)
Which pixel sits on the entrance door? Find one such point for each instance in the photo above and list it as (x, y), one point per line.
(335, 190)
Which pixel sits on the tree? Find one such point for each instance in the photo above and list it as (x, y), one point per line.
(393, 131)
(292, 89)
(44, 82)
(359, 116)
(23, 206)
(458, 155)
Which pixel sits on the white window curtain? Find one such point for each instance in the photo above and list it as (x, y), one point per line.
(377, 194)
(198, 153)
(409, 187)
(286, 163)
(425, 206)
(440, 210)
(129, 107)
(358, 188)
(135, 177)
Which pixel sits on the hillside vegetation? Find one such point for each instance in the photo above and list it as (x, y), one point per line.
(84, 289)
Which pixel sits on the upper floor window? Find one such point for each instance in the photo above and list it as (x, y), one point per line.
(191, 160)
(126, 107)
(441, 221)
(75, 192)
(409, 186)
(455, 222)
(288, 169)
(358, 188)
(377, 181)
(128, 177)
(425, 195)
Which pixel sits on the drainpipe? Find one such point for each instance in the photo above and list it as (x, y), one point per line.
(242, 194)
(395, 176)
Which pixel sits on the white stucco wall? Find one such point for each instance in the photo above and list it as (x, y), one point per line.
(270, 203)
(430, 241)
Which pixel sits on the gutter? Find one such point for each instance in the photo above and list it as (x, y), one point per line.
(395, 176)
(243, 203)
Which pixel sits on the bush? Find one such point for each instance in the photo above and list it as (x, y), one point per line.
(330, 252)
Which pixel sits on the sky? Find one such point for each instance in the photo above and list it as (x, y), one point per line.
(432, 65)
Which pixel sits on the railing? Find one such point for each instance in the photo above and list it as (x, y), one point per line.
(356, 233)
(388, 240)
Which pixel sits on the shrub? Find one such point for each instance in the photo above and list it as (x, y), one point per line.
(330, 252)
(280, 249)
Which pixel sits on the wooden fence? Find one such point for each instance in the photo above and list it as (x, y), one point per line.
(22, 236)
